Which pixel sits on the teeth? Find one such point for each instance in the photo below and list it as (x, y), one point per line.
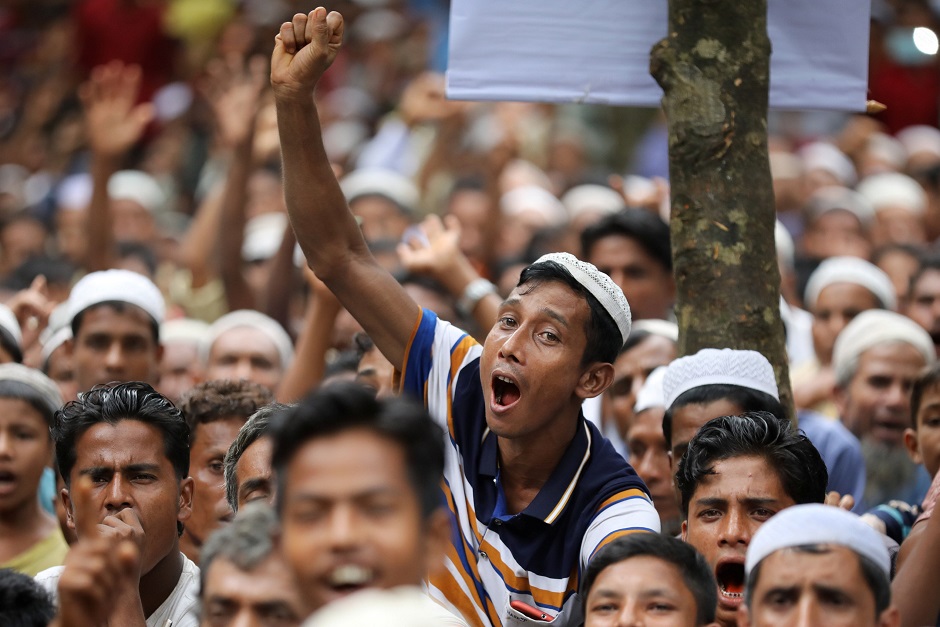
(501, 378)
(499, 399)
(350, 575)
(731, 595)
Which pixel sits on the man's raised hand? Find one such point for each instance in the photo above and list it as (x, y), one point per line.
(303, 50)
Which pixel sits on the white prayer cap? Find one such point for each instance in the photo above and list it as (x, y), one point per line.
(342, 137)
(662, 328)
(183, 330)
(850, 270)
(378, 25)
(887, 149)
(535, 199)
(839, 198)
(726, 366)
(380, 182)
(9, 324)
(919, 139)
(594, 198)
(893, 189)
(139, 187)
(39, 383)
(651, 394)
(74, 192)
(825, 156)
(263, 236)
(815, 523)
(786, 249)
(406, 606)
(872, 328)
(599, 285)
(57, 331)
(121, 286)
(252, 319)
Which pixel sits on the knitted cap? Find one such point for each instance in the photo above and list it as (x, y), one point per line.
(872, 328)
(726, 366)
(814, 523)
(850, 270)
(39, 383)
(599, 285)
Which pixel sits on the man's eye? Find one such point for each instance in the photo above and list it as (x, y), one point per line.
(216, 467)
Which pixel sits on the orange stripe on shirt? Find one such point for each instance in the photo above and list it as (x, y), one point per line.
(456, 359)
(620, 496)
(403, 367)
(613, 535)
(543, 597)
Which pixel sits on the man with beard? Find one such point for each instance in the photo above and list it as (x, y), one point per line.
(876, 359)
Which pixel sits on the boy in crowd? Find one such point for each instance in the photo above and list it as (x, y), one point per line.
(30, 537)
(737, 472)
(534, 489)
(214, 411)
(648, 579)
(132, 446)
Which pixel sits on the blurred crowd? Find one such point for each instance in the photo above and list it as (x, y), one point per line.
(145, 237)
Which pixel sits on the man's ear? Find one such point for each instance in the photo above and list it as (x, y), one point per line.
(891, 617)
(840, 397)
(69, 514)
(69, 345)
(910, 443)
(186, 499)
(438, 533)
(595, 380)
(684, 535)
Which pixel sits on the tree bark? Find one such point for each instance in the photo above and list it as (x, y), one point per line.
(714, 68)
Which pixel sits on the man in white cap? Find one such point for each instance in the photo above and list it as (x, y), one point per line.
(246, 344)
(726, 382)
(817, 565)
(837, 291)
(534, 489)
(923, 298)
(876, 359)
(899, 203)
(115, 317)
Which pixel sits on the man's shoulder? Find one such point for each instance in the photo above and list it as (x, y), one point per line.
(182, 606)
(49, 577)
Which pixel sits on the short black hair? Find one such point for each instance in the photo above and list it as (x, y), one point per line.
(748, 399)
(800, 468)
(119, 306)
(603, 335)
(647, 229)
(696, 573)
(930, 262)
(927, 379)
(874, 576)
(344, 406)
(23, 602)
(112, 403)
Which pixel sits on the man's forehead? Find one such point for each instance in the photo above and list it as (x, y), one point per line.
(887, 357)
(123, 443)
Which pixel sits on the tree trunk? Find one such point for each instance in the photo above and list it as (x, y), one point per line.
(714, 68)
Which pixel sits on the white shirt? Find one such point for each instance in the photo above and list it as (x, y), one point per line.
(181, 607)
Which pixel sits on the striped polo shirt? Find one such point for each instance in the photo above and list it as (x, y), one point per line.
(536, 556)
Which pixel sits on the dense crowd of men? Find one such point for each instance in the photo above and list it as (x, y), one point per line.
(303, 342)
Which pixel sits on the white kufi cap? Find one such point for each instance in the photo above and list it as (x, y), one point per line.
(599, 285)
(872, 328)
(815, 523)
(713, 366)
(121, 286)
(850, 270)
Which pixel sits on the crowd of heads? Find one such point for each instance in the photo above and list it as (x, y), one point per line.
(179, 389)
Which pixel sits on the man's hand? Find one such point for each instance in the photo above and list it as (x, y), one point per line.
(113, 121)
(434, 249)
(96, 569)
(233, 89)
(842, 501)
(303, 49)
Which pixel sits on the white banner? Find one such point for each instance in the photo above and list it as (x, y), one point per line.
(598, 51)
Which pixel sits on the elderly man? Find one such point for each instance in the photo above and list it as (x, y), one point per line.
(244, 578)
(817, 565)
(876, 361)
(246, 344)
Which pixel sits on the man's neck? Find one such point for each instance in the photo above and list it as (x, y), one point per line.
(525, 464)
(157, 585)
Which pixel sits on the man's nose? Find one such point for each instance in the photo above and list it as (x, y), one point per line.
(117, 495)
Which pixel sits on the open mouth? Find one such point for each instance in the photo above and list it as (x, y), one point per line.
(730, 576)
(7, 478)
(350, 578)
(505, 391)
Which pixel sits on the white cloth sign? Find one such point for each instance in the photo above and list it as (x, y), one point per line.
(598, 51)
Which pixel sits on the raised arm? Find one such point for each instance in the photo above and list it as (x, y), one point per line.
(326, 230)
